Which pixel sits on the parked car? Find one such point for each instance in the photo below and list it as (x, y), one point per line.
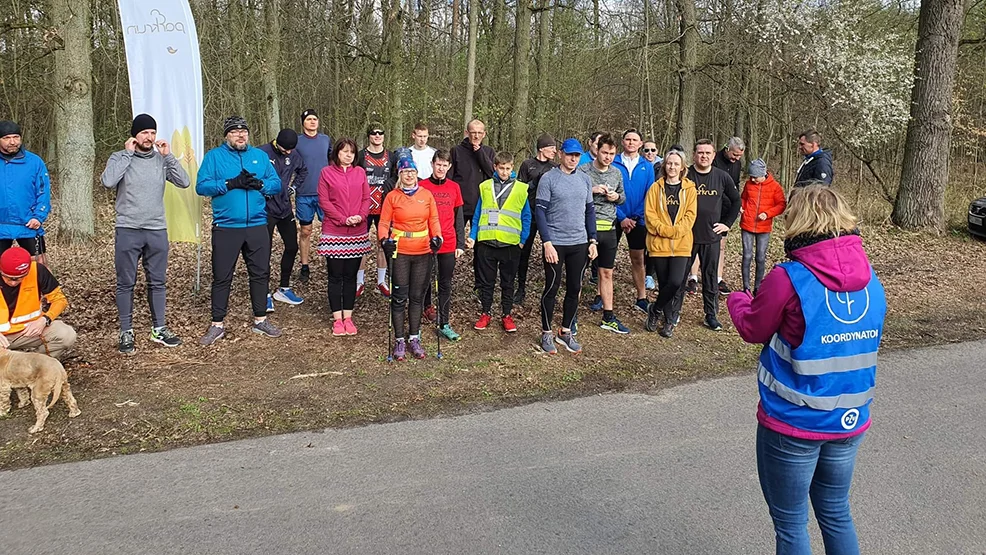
(977, 215)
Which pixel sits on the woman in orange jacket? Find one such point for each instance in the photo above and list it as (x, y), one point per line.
(670, 208)
(409, 233)
(762, 200)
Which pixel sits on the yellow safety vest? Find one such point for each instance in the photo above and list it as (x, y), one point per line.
(501, 224)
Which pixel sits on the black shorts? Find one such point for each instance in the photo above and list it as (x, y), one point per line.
(636, 239)
(33, 245)
(609, 242)
(372, 220)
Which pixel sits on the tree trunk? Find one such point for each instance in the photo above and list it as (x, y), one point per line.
(74, 140)
(543, 57)
(920, 202)
(522, 82)
(393, 30)
(688, 54)
(471, 62)
(271, 65)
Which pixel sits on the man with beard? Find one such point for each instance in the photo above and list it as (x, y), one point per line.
(238, 177)
(139, 173)
(25, 193)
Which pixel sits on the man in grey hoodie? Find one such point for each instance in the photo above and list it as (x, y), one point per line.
(139, 174)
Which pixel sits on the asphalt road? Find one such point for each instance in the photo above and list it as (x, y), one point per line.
(669, 473)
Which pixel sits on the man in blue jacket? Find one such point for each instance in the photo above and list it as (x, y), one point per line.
(238, 177)
(25, 193)
(289, 164)
(817, 165)
(638, 176)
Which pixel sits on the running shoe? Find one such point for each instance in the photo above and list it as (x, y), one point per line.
(286, 295)
(548, 343)
(615, 326)
(508, 324)
(165, 337)
(691, 286)
(265, 327)
(400, 350)
(127, 342)
(597, 304)
(641, 305)
(270, 303)
(448, 333)
(417, 351)
(568, 341)
(483, 322)
(712, 323)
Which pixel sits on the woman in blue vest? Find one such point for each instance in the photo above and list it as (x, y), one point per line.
(820, 319)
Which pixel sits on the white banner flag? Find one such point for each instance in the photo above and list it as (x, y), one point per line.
(166, 82)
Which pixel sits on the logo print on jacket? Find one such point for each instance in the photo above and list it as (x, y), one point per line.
(848, 308)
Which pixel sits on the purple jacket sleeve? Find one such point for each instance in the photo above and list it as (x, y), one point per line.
(776, 308)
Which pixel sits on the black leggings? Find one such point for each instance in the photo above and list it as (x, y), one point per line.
(342, 282)
(671, 272)
(446, 267)
(708, 257)
(288, 231)
(408, 283)
(575, 258)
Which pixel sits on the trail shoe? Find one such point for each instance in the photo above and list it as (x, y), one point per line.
(417, 351)
(641, 305)
(384, 290)
(548, 343)
(649, 283)
(338, 328)
(264, 327)
(691, 286)
(483, 322)
(653, 319)
(519, 296)
(304, 274)
(712, 323)
(286, 295)
(400, 350)
(349, 326)
(724, 288)
(508, 324)
(213, 334)
(568, 341)
(430, 314)
(165, 337)
(597, 304)
(448, 333)
(270, 303)
(667, 330)
(127, 342)
(615, 326)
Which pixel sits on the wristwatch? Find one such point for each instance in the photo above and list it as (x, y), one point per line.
(47, 319)
(593, 242)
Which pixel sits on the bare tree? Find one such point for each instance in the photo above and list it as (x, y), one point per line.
(471, 63)
(271, 64)
(688, 60)
(522, 80)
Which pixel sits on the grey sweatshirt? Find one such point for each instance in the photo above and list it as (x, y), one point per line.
(139, 180)
(611, 179)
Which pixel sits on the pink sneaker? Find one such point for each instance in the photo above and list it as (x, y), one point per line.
(350, 326)
(338, 328)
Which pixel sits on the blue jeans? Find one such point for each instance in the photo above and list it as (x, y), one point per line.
(791, 470)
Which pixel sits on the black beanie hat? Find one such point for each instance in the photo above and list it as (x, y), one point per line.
(545, 141)
(234, 122)
(9, 128)
(287, 139)
(141, 123)
(308, 112)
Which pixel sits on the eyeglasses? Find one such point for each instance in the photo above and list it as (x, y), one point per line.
(377, 132)
(650, 150)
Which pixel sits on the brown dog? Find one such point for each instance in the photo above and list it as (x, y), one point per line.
(43, 375)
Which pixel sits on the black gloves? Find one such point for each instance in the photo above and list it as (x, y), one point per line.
(245, 180)
(436, 243)
(389, 247)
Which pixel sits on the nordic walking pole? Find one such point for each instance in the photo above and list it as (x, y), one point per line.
(390, 312)
(438, 317)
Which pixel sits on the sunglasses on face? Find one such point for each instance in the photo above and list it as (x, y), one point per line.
(372, 133)
(650, 150)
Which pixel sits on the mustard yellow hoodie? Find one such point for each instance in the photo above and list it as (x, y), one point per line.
(664, 237)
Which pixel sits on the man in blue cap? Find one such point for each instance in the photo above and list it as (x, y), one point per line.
(564, 196)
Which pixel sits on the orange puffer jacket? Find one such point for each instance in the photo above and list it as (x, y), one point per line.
(758, 198)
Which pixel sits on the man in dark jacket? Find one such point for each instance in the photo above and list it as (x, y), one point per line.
(729, 160)
(472, 163)
(530, 172)
(817, 165)
(288, 163)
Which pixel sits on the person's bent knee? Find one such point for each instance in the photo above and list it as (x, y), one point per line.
(306, 230)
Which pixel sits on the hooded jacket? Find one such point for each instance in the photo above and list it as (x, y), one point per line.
(635, 186)
(758, 198)
(817, 166)
(236, 207)
(664, 237)
(840, 264)
(25, 194)
(279, 205)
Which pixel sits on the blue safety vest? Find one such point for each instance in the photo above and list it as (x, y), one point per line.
(826, 384)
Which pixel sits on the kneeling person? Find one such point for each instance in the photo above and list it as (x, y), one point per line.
(24, 324)
(500, 227)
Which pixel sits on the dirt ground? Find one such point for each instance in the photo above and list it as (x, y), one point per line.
(249, 385)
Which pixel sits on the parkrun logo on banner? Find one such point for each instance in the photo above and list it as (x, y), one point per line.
(160, 25)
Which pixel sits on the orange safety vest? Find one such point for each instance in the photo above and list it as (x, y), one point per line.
(28, 304)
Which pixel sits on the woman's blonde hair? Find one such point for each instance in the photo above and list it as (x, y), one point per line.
(817, 210)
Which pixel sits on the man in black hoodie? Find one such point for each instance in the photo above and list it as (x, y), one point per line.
(817, 165)
(472, 164)
(288, 163)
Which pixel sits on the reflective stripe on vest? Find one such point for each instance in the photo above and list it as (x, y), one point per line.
(829, 403)
(502, 224)
(822, 366)
(28, 307)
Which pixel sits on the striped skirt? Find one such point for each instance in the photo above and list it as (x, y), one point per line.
(349, 246)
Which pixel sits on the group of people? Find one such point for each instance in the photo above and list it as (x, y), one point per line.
(819, 315)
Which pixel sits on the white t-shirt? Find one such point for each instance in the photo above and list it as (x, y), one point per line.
(630, 163)
(422, 159)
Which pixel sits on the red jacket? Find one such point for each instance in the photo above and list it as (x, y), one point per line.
(758, 198)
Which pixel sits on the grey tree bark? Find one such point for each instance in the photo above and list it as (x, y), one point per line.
(920, 202)
(471, 62)
(271, 64)
(74, 141)
(688, 54)
(522, 81)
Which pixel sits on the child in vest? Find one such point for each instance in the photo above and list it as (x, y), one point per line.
(500, 226)
(762, 200)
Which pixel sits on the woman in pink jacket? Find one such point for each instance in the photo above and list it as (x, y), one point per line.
(344, 197)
